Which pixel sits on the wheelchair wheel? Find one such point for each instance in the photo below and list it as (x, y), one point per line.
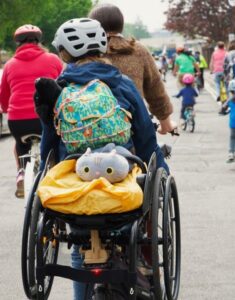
(156, 215)
(45, 251)
(32, 215)
(171, 240)
(25, 240)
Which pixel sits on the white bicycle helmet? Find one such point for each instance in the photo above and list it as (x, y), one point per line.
(80, 36)
(231, 86)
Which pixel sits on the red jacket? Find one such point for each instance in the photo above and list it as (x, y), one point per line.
(17, 87)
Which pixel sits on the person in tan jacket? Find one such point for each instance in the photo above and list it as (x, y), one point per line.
(135, 61)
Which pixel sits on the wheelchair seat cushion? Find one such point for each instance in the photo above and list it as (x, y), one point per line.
(63, 191)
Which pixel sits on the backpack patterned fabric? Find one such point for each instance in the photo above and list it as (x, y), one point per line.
(90, 116)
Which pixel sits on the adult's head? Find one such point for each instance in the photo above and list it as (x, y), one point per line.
(79, 38)
(220, 45)
(180, 49)
(109, 16)
(27, 34)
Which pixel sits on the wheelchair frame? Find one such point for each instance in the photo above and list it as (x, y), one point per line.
(155, 225)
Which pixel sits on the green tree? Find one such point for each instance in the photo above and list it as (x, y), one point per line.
(48, 15)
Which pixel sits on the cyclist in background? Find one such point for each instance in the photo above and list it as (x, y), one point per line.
(185, 63)
(202, 66)
(29, 62)
(188, 94)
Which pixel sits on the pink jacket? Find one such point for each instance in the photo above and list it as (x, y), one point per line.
(17, 87)
(217, 60)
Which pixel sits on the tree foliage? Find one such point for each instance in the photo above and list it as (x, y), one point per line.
(48, 15)
(209, 18)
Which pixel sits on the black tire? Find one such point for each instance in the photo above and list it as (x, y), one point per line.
(157, 234)
(25, 239)
(36, 211)
(171, 240)
(192, 125)
(184, 125)
(50, 250)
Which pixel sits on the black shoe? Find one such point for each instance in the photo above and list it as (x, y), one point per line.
(218, 99)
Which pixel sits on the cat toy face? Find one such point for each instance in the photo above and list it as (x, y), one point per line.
(111, 166)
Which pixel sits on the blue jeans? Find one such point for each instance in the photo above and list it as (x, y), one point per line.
(79, 288)
(50, 140)
(217, 78)
(232, 141)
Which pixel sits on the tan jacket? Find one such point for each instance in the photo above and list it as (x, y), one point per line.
(141, 68)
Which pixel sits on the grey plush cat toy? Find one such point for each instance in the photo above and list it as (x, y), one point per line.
(110, 165)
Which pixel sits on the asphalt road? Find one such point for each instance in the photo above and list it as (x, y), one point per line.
(206, 187)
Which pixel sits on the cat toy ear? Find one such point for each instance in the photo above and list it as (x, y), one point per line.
(88, 151)
(113, 152)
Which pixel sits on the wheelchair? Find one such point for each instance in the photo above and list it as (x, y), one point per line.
(115, 245)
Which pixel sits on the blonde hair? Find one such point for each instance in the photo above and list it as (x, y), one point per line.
(67, 58)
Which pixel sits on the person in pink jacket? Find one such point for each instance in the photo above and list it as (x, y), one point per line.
(29, 62)
(217, 66)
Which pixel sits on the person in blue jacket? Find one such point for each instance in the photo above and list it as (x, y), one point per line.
(81, 43)
(188, 94)
(230, 107)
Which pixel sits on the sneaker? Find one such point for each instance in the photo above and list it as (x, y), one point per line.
(19, 193)
(230, 158)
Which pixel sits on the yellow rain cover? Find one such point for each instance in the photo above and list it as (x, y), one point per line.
(63, 191)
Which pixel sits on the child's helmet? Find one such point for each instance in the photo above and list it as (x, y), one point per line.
(231, 86)
(27, 31)
(81, 36)
(188, 79)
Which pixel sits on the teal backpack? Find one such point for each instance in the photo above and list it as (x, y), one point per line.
(90, 116)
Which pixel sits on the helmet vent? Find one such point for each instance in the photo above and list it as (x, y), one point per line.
(93, 46)
(67, 30)
(103, 43)
(85, 20)
(91, 35)
(73, 38)
(79, 46)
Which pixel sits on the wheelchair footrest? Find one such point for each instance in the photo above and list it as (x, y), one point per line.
(92, 275)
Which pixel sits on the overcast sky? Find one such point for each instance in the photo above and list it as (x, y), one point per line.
(149, 11)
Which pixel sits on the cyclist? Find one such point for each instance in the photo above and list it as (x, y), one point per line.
(29, 62)
(188, 94)
(84, 56)
(125, 54)
(185, 63)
